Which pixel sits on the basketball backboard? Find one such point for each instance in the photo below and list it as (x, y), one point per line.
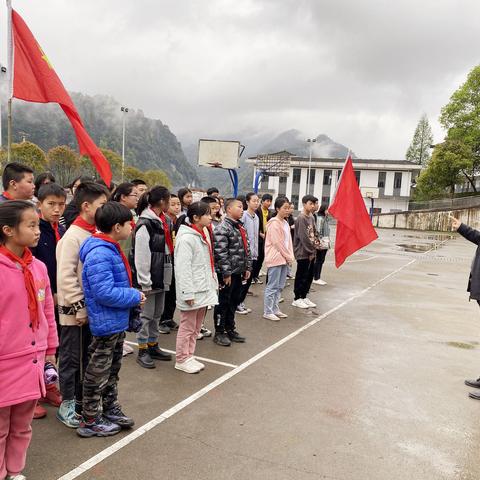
(370, 192)
(218, 153)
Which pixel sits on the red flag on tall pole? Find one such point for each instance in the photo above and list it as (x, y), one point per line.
(35, 80)
(354, 227)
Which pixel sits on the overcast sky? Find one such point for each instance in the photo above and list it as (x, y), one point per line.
(360, 71)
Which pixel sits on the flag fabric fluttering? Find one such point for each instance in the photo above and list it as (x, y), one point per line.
(354, 227)
(35, 80)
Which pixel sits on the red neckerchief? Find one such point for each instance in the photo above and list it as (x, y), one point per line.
(210, 246)
(106, 238)
(166, 230)
(132, 223)
(80, 222)
(243, 233)
(55, 229)
(24, 262)
(8, 196)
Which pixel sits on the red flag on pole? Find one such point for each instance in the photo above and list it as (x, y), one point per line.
(354, 227)
(35, 80)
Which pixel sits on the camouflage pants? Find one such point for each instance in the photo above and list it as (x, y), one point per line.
(101, 375)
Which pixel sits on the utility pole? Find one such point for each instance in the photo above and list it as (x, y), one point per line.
(124, 110)
(311, 141)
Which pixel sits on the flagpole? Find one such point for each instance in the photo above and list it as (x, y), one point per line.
(10, 79)
(340, 177)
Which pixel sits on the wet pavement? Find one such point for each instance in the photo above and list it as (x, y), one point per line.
(369, 385)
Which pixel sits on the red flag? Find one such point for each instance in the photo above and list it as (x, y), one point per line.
(354, 227)
(35, 80)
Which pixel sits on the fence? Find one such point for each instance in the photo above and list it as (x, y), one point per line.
(446, 203)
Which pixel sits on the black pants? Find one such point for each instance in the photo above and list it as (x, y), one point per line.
(257, 264)
(319, 261)
(73, 360)
(303, 278)
(228, 300)
(170, 302)
(245, 289)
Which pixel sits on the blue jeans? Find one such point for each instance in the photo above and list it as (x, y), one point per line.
(277, 277)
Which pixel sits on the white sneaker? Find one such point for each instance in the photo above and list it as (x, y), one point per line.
(319, 282)
(280, 314)
(262, 273)
(16, 477)
(281, 300)
(188, 366)
(196, 362)
(200, 335)
(271, 316)
(249, 310)
(308, 302)
(127, 349)
(299, 303)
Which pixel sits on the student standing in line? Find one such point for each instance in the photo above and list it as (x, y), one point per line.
(75, 334)
(323, 233)
(18, 184)
(28, 332)
(51, 204)
(215, 211)
(251, 223)
(109, 296)
(264, 215)
(152, 269)
(278, 258)
(141, 186)
(71, 211)
(40, 180)
(186, 198)
(213, 192)
(197, 284)
(233, 265)
(305, 248)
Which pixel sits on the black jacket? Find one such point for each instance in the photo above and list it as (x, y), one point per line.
(230, 255)
(45, 251)
(474, 279)
(69, 215)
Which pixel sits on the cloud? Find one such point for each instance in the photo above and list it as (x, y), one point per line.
(361, 72)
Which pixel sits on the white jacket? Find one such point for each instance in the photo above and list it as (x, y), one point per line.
(193, 271)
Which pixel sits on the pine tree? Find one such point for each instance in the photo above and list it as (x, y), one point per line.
(419, 150)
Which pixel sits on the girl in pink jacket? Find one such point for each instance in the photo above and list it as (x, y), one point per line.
(278, 257)
(28, 334)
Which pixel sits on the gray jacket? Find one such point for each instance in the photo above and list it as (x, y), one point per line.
(194, 278)
(252, 226)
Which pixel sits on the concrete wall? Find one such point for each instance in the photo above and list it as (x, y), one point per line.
(429, 220)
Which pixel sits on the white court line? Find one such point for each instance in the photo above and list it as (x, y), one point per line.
(109, 451)
(356, 261)
(208, 360)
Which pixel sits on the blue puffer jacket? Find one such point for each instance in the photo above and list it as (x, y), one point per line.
(106, 285)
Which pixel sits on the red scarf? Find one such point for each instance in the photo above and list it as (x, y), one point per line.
(24, 262)
(80, 222)
(166, 229)
(210, 246)
(108, 239)
(8, 196)
(57, 233)
(243, 233)
(132, 223)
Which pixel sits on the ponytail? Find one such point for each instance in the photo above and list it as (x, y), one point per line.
(153, 198)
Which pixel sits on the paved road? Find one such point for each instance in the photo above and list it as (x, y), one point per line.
(367, 386)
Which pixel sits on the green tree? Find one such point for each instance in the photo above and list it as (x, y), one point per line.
(131, 173)
(64, 163)
(419, 150)
(115, 161)
(27, 153)
(156, 177)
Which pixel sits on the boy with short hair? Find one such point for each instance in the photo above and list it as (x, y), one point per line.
(264, 215)
(51, 204)
(142, 187)
(304, 247)
(75, 335)
(18, 182)
(109, 296)
(233, 264)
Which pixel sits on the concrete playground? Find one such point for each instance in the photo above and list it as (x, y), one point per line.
(367, 386)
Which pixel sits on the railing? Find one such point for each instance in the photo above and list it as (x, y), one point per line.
(446, 203)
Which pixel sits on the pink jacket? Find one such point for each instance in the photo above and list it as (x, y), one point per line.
(22, 350)
(276, 253)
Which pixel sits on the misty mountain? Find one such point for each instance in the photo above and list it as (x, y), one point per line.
(149, 143)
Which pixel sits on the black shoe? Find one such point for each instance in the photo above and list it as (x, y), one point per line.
(474, 395)
(171, 324)
(222, 339)
(115, 415)
(144, 359)
(473, 383)
(158, 354)
(236, 337)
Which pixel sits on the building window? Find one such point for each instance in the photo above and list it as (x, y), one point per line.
(326, 200)
(297, 173)
(295, 200)
(397, 181)
(357, 176)
(382, 177)
(339, 174)
(327, 177)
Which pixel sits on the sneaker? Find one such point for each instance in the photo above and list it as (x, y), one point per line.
(53, 396)
(241, 310)
(39, 412)
(280, 314)
(258, 281)
(144, 359)
(291, 277)
(271, 316)
(171, 324)
(115, 415)
(262, 274)
(299, 303)
(19, 476)
(164, 329)
(127, 349)
(200, 336)
(473, 383)
(236, 337)
(308, 302)
(249, 310)
(158, 354)
(205, 331)
(281, 300)
(319, 282)
(196, 362)
(67, 414)
(98, 427)
(209, 307)
(188, 366)
(222, 339)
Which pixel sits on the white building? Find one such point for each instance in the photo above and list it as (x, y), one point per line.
(393, 178)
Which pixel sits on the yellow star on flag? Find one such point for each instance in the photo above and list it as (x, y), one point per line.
(44, 56)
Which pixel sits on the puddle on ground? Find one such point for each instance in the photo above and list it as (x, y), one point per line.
(466, 346)
(433, 274)
(439, 237)
(415, 247)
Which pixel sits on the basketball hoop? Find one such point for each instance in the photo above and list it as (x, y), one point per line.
(215, 164)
